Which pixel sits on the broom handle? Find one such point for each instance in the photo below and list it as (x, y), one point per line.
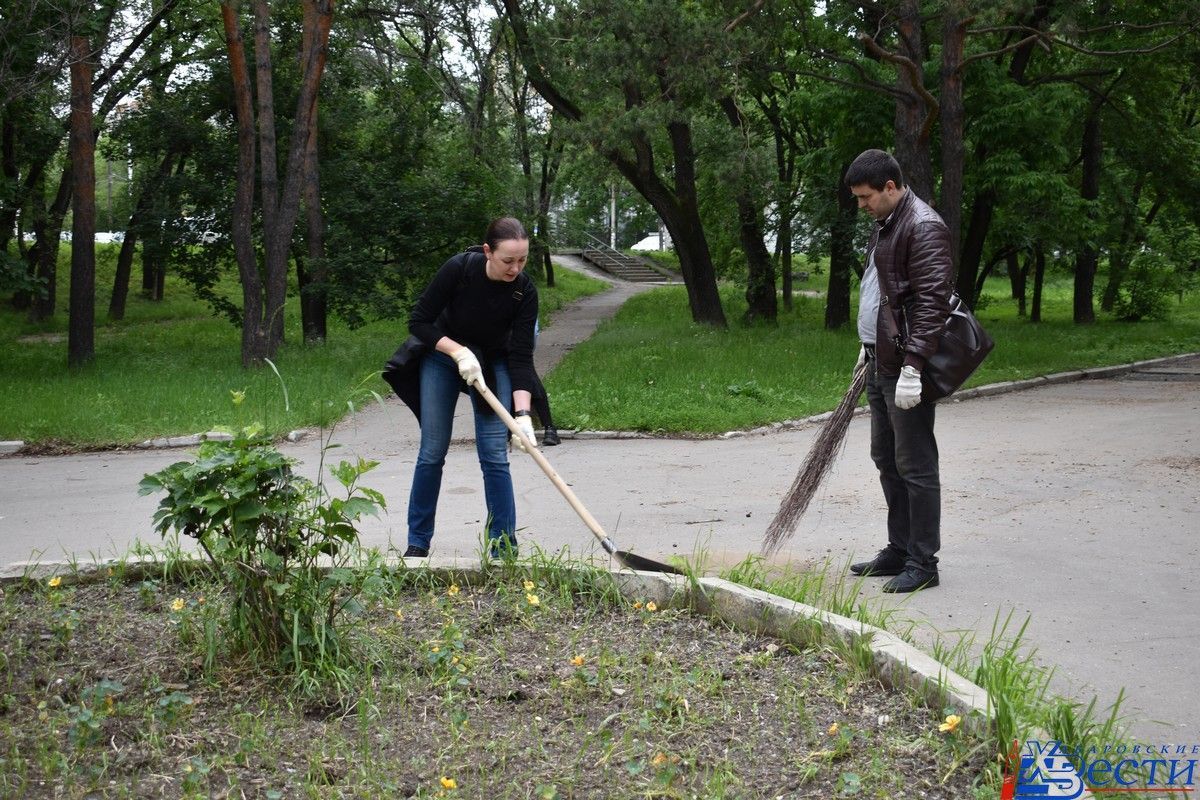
(558, 482)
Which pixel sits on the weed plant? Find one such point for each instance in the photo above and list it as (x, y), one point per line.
(282, 544)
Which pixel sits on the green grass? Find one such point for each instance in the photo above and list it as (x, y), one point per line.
(169, 368)
(651, 368)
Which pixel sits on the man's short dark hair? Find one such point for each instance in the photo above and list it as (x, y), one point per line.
(874, 168)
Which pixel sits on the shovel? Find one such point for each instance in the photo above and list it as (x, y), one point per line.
(626, 559)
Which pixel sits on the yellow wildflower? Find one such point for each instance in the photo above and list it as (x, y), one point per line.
(529, 586)
(833, 729)
(532, 599)
(454, 660)
(449, 783)
(950, 724)
(453, 590)
(659, 759)
(187, 767)
(54, 582)
(577, 661)
(638, 605)
(651, 606)
(399, 614)
(436, 649)
(177, 604)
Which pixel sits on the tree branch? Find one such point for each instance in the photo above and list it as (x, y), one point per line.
(745, 16)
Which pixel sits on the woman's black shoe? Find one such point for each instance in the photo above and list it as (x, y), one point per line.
(550, 437)
(416, 552)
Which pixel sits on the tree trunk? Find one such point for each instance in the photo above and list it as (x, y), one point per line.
(1024, 282)
(263, 312)
(120, 292)
(254, 336)
(12, 174)
(952, 118)
(313, 305)
(761, 302)
(48, 226)
(912, 134)
(1039, 275)
(783, 250)
(1088, 256)
(972, 247)
(551, 159)
(81, 326)
(842, 257)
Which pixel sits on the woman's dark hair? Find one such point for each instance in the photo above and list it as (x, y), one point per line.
(502, 229)
(874, 168)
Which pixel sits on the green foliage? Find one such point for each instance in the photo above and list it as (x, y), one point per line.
(280, 541)
(650, 368)
(1147, 291)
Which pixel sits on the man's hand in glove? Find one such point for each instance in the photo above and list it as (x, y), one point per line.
(525, 423)
(908, 388)
(468, 365)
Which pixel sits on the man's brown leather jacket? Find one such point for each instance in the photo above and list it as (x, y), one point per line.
(916, 278)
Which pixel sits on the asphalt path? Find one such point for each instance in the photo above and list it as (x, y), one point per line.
(1074, 506)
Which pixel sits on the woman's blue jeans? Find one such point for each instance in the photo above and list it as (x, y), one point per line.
(440, 390)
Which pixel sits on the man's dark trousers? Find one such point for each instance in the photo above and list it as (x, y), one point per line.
(906, 454)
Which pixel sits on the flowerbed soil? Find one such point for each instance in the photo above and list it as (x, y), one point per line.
(505, 690)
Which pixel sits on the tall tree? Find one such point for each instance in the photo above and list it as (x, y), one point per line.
(263, 294)
(81, 334)
(646, 87)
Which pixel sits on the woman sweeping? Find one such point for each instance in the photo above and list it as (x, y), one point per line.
(477, 319)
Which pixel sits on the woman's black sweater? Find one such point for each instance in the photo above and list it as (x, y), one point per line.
(494, 318)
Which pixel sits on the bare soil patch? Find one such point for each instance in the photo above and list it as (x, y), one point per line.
(506, 690)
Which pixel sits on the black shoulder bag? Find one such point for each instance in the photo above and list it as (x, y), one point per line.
(963, 344)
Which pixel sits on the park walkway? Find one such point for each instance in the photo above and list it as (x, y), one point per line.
(1073, 504)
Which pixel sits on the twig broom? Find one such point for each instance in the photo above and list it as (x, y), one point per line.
(816, 466)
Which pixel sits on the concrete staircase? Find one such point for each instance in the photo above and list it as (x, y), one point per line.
(619, 265)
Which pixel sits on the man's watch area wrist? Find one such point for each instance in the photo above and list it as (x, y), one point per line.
(522, 412)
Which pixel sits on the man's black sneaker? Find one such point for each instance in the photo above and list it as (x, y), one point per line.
(886, 563)
(910, 580)
(416, 552)
(550, 437)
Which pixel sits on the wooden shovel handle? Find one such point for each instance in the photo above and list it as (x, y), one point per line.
(559, 483)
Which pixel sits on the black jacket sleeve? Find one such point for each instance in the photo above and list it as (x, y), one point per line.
(520, 343)
(422, 323)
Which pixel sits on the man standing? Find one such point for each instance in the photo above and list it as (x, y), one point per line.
(903, 304)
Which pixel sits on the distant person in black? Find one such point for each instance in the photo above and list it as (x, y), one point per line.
(541, 407)
(477, 318)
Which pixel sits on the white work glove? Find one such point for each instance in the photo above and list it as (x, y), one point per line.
(525, 423)
(908, 388)
(862, 358)
(468, 365)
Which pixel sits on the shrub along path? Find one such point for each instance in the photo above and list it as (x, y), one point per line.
(1074, 504)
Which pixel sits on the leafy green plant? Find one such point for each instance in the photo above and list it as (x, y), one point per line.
(282, 543)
